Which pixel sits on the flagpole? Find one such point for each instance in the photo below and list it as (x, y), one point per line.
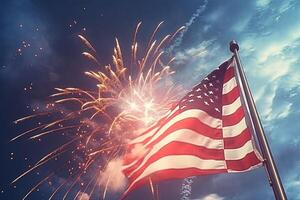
(269, 162)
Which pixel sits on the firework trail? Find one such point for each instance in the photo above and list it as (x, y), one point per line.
(93, 126)
(178, 40)
(186, 188)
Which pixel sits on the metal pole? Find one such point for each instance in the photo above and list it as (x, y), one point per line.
(269, 163)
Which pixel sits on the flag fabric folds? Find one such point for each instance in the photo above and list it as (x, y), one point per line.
(207, 132)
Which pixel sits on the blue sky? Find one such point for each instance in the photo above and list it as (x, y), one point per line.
(269, 35)
(268, 32)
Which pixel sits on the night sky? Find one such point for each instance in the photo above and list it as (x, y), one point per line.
(40, 50)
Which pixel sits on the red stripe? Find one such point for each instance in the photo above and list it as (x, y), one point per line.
(173, 174)
(231, 96)
(161, 123)
(177, 148)
(193, 124)
(188, 123)
(243, 164)
(237, 141)
(234, 118)
(127, 157)
(229, 74)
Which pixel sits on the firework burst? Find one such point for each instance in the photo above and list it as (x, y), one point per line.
(98, 123)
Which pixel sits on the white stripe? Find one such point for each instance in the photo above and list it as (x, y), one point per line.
(179, 162)
(192, 113)
(186, 136)
(235, 130)
(239, 153)
(229, 85)
(144, 136)
(151, 133)
(231, 108)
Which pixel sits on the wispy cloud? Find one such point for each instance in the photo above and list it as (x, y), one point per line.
(187, 25)
(263, 3)
(198, 52)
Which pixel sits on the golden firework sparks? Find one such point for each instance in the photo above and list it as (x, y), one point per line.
(128, 98)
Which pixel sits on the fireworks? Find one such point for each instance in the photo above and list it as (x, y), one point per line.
(127, 98)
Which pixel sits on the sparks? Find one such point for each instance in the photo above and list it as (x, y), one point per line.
(127, 98)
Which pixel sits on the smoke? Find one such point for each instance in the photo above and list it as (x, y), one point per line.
(83, 196)
(186, 188)
(112, 178)
(178, 40)
(138, 151)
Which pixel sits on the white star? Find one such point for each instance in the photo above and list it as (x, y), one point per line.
(206, 103)
(199, 97)
(199, 89)
(210, 84)
(210, 92)
(190, 95)
(191, 100)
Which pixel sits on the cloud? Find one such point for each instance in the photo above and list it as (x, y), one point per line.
(293, 186)
(198, 52)
(286, 5)
(241, 25)
(263, 3)
(215, 15)
(270, 60)
(211, 197)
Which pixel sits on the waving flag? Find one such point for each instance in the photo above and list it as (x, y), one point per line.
(206, 133)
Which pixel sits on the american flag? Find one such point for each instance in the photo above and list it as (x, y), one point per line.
(205, 133)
